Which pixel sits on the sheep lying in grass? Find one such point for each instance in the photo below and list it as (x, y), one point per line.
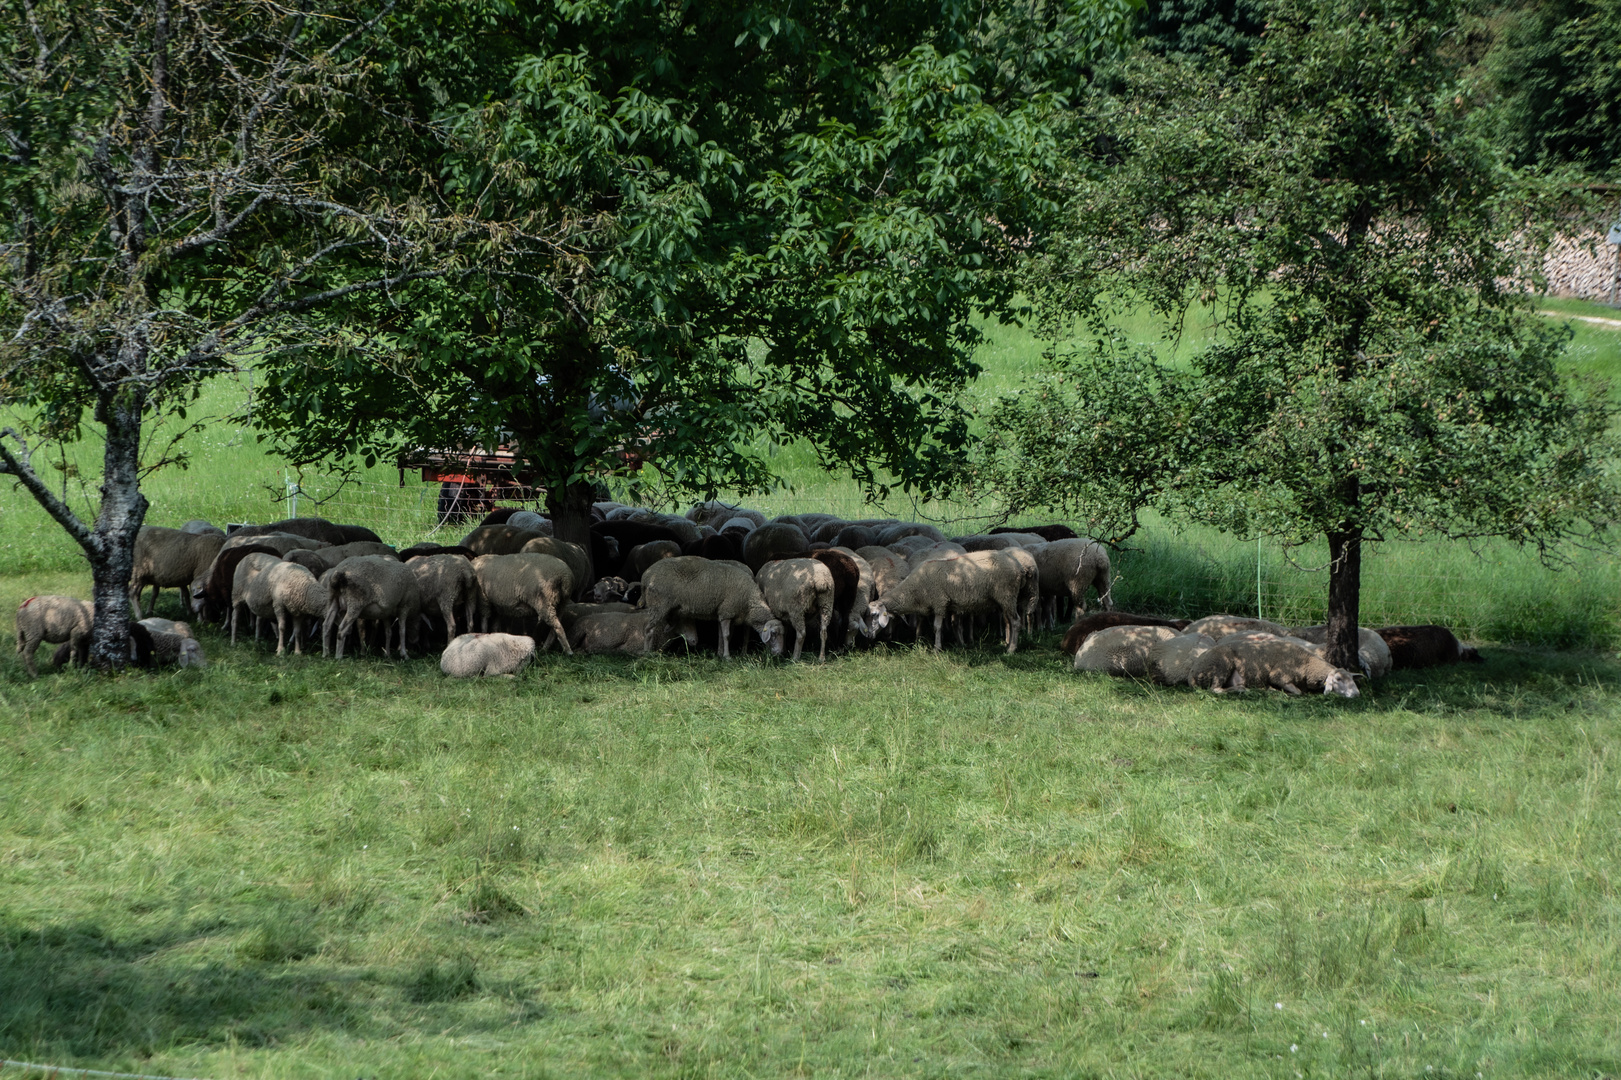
(168, 626)
(617, 632)
(1425, 646)
(1171, 661)
(472, 655)
(697, 588)
(54, 619)
(1371, 651)
(797, 589)
(1087, 625)
(171, 558)
(525, 584)
(1283, 665)
(370, 587)
(163, 649)
(1122, 650)
(1219, 626)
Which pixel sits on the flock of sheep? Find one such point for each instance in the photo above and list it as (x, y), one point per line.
(718, 572)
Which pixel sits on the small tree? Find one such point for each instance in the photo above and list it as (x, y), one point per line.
(178, 196)
(1377, 372)
(780, 221)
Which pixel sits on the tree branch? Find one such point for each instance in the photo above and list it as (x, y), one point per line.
(18, 465)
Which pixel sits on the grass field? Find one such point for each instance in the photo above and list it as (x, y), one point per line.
(897, 864)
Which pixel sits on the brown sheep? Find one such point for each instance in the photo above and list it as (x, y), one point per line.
(1425, 646)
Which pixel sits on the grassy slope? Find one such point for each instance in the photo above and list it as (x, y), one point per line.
(901, 864)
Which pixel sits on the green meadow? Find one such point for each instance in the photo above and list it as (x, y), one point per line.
(895, 864)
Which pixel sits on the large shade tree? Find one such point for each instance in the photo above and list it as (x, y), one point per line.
(180, 195)
(1377, 373)
(722, 226)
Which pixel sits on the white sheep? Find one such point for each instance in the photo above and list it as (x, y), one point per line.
(1171, 660)
(296, 595)
(980, 582)
(54, 619)
(249, 593)
(471, 655)
(717, 589)
(1122, 650)
(1219, 626)
(1372, 651)
(795, 589)
(168, 626)
(1276, 663)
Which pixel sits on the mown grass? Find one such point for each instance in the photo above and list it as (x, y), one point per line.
(898, 864)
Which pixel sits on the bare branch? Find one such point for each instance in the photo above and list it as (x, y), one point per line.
(18, 464)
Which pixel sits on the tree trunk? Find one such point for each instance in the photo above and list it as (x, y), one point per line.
(1344, 598)
(569, 507)
(123, 509)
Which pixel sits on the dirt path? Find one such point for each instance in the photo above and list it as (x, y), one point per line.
(1608, 324)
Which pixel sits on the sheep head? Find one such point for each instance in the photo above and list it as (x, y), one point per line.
(1340, 682)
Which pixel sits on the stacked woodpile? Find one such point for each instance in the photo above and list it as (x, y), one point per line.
(1582, 266)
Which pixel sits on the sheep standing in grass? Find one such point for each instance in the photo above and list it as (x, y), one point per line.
(54, 619)
(472, 655)
(497, 540)
(168, 559)
(575, 557)
(444, 583)
(797, 589)
(697, 588)
(319, 560)
(370, 587)
(295, 595)
(1122, 650)
(980, 582)
(1283, 665)
(776, 540)
(248, 591)
(1069, 568)
(525, 584)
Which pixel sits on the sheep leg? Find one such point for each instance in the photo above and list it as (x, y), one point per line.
(939, 625)
(1011, 615)
(403, 654)
(233, 623)
(281, 630)
(447, 611)
(344, 627)
(1290, 688)
(797, 620)
(28, 652)
(725, 647)
(551, 619)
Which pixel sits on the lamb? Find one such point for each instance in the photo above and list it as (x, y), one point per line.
(1424, 646)
(497, 540)
(443, 583)
(295, 595)
(1219, 626)
(1280, 664)
(571, 555)
(249, 591)
(1068, 569)
(171, 558)
(1371, 650)
(164, 649)
(1086, 626)
(1122, 650)
(370, 587)
(487, 654)
(703, 589)
(1171, 661)
(524, 584)
(54, 619)
(795, 589)
(974, 583)
(777, 540)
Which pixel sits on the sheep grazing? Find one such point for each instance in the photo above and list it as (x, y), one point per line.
(472, 655)
(854, 588)
(941, 550)
(445, 582)
(312, 528)
(1283, 665)
(294, 594)
(318, 561)
(1087, 625)
(1069, 568)
(1425, 646)
(980, 582)
(1049, 533)
(1219, 626)
(776, 540)
(701, 589)
(169, 559)
(644, 555)
(571, 555)
(249, 592)
(1371, 651)
(797, 589)
(1171, 661)
(422, 551)
(1122, 650)
(497, 540)
(370, 587)
(54, 619)
(525, 584)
